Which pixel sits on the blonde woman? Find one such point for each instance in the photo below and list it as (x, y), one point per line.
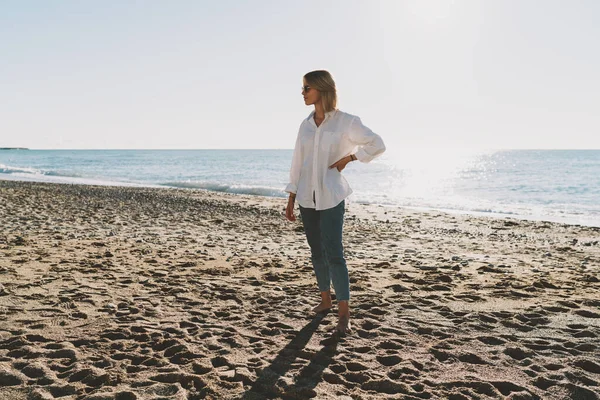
(327, 141)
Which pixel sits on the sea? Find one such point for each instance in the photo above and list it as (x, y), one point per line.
(548, 185)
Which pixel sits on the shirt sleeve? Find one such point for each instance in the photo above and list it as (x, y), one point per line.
(370, 144)
(292, 187)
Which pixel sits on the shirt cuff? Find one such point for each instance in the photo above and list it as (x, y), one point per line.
(291, 188)
(363, 156)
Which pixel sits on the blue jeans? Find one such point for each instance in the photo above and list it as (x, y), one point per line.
(324, 235)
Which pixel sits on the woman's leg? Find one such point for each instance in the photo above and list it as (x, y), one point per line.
(312, 229)
(332, 223)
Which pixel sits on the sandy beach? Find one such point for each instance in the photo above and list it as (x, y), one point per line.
(136, 293)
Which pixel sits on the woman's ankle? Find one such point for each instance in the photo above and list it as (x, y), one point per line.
(343, 309)
(326, 297)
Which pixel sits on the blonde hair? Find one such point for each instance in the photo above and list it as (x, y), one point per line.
(322, 81)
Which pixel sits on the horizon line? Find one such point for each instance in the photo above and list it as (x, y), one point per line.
(255, 149)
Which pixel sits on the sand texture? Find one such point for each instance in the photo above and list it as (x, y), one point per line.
(134, 293)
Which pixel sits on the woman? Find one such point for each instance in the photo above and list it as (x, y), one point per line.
(328, 140)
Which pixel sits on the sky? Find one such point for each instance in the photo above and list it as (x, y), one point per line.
(228, 74)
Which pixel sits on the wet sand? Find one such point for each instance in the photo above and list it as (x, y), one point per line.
(135, 293)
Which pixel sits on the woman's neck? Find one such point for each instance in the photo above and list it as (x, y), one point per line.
(319, 111)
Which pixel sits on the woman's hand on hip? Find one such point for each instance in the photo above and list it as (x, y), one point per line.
(341, 163)
(289, 210)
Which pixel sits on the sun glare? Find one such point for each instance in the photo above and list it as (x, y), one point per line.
(430, 11)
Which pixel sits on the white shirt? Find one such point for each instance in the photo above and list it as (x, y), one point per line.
(338, 136)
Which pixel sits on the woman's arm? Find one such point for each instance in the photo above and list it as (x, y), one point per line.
(296, 167)
(370, 144)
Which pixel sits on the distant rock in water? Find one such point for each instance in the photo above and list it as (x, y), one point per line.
(13, 148)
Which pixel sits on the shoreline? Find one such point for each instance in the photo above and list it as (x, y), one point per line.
(125, 292)
(483, 214)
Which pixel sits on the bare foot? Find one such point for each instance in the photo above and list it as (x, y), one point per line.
(323, 307)
(343, 327)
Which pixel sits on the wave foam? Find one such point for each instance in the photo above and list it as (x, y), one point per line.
(8, 169)
(222, 187)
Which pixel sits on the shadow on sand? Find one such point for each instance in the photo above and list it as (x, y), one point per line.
(268, 384)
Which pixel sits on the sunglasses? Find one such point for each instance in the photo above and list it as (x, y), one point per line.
(305, 88)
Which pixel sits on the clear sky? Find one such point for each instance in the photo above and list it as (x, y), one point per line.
(227, 74)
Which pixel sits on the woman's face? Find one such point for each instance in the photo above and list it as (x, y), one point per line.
(311, 96)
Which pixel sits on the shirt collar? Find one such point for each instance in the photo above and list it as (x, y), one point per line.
(327, 114)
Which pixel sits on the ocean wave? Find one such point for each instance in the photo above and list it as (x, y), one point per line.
(8, 169)
(229, 188)
(64, 174)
